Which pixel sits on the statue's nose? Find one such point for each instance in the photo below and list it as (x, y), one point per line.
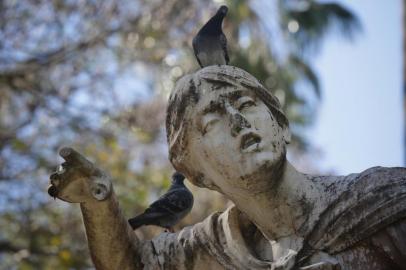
(238, 123)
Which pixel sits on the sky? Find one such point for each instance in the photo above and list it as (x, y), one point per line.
(360, 119)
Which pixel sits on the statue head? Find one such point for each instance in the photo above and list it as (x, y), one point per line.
(225, 131)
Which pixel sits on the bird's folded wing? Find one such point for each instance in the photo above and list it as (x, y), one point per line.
(174, 202)
(195, 43)
(223, 41)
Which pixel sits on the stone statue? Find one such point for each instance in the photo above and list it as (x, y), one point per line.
(227, 133)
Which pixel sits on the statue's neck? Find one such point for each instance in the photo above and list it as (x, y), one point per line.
(288, 209)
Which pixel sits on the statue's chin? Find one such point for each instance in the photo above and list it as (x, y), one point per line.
(260, 161)
(260, 168)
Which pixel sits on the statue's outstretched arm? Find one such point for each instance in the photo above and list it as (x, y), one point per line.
(112, 242)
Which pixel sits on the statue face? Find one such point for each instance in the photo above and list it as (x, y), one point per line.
(235, 140)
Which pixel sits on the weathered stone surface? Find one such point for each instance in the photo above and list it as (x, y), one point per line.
(226, 132)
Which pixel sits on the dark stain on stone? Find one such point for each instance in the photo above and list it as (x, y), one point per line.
(194, 94)
(219, 248)
(189, 254)
(219, 83)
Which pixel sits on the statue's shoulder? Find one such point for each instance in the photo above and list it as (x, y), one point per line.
(195, 236)
(366, 202)
(384, 172)
(217, 240)
(375, 176)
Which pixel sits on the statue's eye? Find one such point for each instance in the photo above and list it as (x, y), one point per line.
(246, 104)
(209, 125)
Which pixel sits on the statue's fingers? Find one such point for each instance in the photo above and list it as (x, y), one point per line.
(55, 178)
(55, 181)
(53, 191)
(74, 158)
(62, 177)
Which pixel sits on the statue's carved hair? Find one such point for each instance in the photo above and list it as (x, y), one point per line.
(186, 95)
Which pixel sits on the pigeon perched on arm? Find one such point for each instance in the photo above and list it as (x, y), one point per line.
(210, 43)
(169, 209)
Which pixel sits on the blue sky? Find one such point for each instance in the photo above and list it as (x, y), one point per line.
(360, 119)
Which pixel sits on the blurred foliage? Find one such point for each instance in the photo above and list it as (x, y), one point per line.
(95, 75)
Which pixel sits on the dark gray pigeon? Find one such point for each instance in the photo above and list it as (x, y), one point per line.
(210, 43)
(169, 209)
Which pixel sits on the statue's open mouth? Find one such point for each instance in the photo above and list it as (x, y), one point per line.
(249, 140)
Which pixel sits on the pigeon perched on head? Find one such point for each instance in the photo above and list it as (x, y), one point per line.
(210, 43)
(169, 209)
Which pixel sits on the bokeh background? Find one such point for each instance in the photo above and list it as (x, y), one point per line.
(96, 75)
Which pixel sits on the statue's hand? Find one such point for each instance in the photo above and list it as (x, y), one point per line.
(78, 180)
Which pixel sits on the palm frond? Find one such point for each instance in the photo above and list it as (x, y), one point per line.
(318, 19)
(306, 72)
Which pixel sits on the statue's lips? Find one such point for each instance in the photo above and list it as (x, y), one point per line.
(249, 140)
